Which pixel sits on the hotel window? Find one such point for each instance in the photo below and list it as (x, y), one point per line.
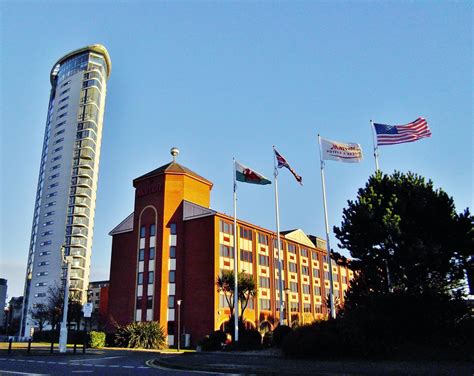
(172, 276)
(226, 251)
(250, 304)
(326, 276)
(152, 253)
(344, 279)
(140, 279)
(275, 244)
(226, 227)
(294, 306)
(263, 260)
(149, 302)
(293, 267)
(276, 263)
(306, 289)
(294, 286)
(265, 304)
(263, 239)
(173, 228)
(151, 277)
(172, 251)
(223, 301)
(141, 254)
(245, 233)
(139, 302)
(306, 307)
(152, 230)
(318, 308)
(291, 248)
(142, 232)
(171, 301)
(326, 259)
(304, 270)
(317, 290)
(264, 282)
(316, 273)
(304, 252)
(314, 255)
(246, 256)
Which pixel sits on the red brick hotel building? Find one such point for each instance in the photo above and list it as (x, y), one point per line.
(173, 247)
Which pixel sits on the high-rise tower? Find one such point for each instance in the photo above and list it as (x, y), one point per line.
(63, 219)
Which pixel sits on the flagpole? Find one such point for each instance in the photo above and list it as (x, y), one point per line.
(376, 148)
(277, 214)
(236, 270)
(328, 247)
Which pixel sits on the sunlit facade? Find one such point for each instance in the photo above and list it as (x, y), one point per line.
(63, 219)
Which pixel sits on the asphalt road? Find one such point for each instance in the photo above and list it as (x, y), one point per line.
(98, 363)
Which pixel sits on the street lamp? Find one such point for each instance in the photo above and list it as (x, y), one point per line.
(63, 333)
(288, 314)
(179, 323)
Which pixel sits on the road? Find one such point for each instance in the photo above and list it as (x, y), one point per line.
(93, 363)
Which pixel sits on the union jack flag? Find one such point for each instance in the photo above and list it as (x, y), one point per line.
(282, 162)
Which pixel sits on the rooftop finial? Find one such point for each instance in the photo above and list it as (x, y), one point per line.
(174, 152)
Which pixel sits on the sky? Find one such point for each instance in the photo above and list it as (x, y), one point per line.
(230, 79)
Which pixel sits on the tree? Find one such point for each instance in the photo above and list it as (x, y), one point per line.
(41, 315)
(246, 287)
(401, 227)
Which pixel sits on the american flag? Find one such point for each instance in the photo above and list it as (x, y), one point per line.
(398, 134)
(282, 162)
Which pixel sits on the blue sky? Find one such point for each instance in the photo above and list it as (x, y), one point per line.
(224, 79)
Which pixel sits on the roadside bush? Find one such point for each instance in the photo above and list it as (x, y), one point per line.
(110, 339)
(250, 340)
(213, 341)
(73, 336)
(279, 334)
(146, 335)
(267, 340)
(96, 339)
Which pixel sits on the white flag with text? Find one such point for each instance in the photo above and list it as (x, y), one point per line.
(341, 151)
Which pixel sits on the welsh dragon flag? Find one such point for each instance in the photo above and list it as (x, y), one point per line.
(247, 175)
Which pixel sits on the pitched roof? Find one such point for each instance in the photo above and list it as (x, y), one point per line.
(125, 226)
(298, 236)
(172, 167)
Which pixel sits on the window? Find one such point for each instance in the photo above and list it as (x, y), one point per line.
(265, 304)
(64, 99)
(54, 176)
(62, 107)
(326, 259)
(292, 248)
(226, 251)
(246, 256)
(41, 274)
(317, 290)
(46, 233)
(151, 277)
(294, 306)
(226, 227)
(294, 286)
(140, 278)
(264, 282)
(141, 254)
(43, 263)
(58, 149)
(344, 279)
(58, 141)
(65, 91)
(40, 284)
(45, 253)
(171, 301)
(52, 194)
(48, 242)
(223, 301)
(53, 185)
(59, 132)
(55, 167)
(314, 255)
(142, 232)
(149, 302)
(306, 289)
(57, 158)
(49, 213)
(172, 276)
(139, 302)
(304, 252)
(48, 223)
(172, 251)
(293, 267)
(66, 83)
(60, 124)
(306, 307)
(263, 239)
(49, 204)
(318, 308)
(326, 276)
(173, 228)
(263, 260)
(40, 295)
(62, 115)
(304, 270)
(152, 253)
(245, 233)
(316, 273)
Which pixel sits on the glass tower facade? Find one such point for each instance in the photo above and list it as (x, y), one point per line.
(63, 219)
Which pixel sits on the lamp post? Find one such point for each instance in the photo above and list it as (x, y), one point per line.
(63, 332)
(288, 313)
(179, 323)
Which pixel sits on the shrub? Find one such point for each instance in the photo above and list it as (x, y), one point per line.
(73, 336)
(267, 340)
(96, 339)
(146, 335)
(213, 341)
(250, 340)
(279, 334)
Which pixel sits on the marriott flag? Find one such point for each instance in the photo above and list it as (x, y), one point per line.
(341, 151)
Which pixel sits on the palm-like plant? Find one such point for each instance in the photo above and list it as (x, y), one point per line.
(246, 286)
(146, 335)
